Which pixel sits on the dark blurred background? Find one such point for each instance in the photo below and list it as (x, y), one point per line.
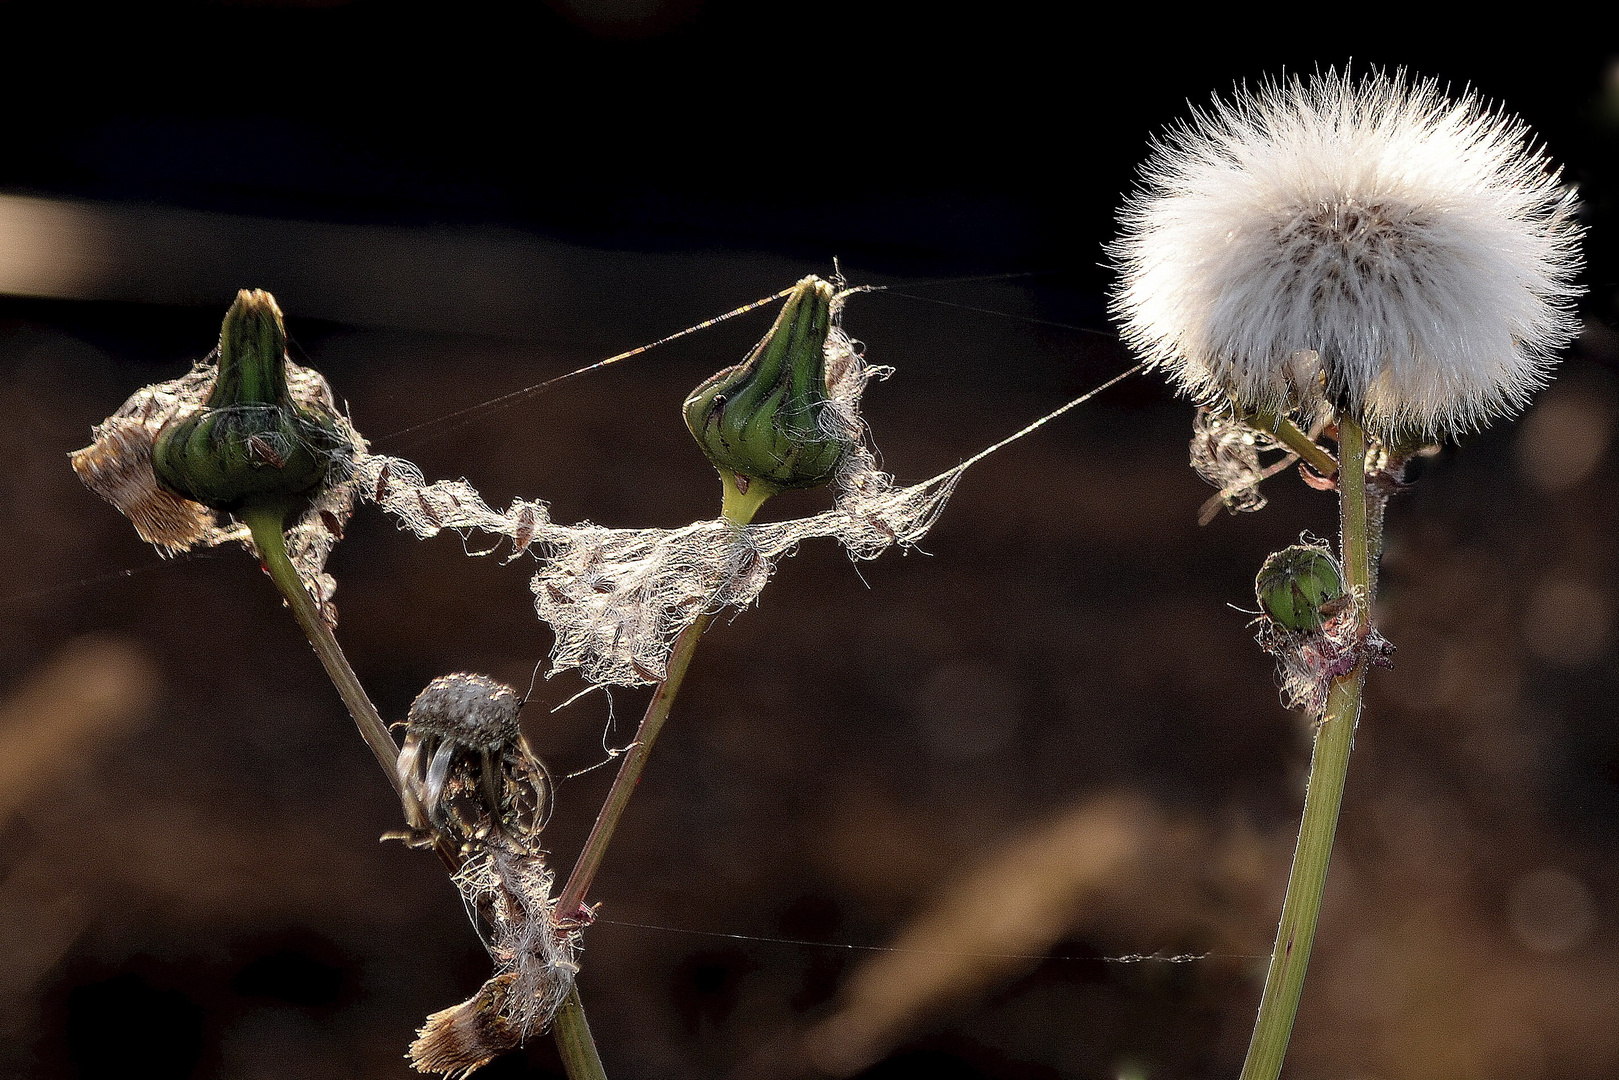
(1045, 743)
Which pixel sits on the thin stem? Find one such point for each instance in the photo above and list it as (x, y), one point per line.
(265, 525)
(629, 773)
(1323, 797)
(578, 1049)
(742, 501)
(1291, 436)
(574, 1041)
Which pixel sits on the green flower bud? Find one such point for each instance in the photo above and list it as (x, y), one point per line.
(251, 445)
(761, 420)
(1299, 587)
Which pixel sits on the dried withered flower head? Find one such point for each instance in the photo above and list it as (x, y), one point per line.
(1368, 244)
(466, 760)
(468, 765)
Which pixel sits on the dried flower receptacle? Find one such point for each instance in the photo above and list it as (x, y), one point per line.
(467, 763)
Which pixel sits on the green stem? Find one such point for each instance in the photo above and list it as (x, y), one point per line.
(573, 1037)
(574, 1041)
(265, 525)
(742, 501)
(1289, 435)
(629, 773)
(1323, 797)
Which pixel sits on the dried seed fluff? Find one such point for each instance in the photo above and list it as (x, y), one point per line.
(1362, 243)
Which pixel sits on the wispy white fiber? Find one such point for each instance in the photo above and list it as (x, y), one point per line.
(1368, 243)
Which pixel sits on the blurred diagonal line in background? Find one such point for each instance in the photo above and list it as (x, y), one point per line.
(93, 691)
(483, 281)
(62, 717)
(1085, 869)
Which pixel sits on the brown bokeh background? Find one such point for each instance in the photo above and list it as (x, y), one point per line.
(1045, 742)
(1016, 806)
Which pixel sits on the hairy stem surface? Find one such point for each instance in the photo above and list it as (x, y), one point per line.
(1323, 797)
(574, 1041)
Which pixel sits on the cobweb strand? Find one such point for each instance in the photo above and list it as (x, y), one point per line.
(616, 599)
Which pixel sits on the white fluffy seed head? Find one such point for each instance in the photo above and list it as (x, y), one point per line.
(1366, 243)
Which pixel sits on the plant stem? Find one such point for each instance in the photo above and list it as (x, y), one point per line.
(1329, 765)
(1354, 516)
(265, 525)
(1289, 435)
(742, 501)
(574, 1041)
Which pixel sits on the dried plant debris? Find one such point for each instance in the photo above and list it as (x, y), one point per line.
(117, 465)
(1225, 452)
(616, 599)
(536, 958)
(466, 761)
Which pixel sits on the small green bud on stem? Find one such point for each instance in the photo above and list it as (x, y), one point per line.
(760, 421)
(1297, 587)
(251, 444)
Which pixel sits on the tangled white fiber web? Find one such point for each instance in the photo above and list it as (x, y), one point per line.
(535, 956)
(616, 599)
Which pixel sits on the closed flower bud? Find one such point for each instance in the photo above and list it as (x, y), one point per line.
(252, 444)
(467, 763)
(762, 419)
(1298, 587)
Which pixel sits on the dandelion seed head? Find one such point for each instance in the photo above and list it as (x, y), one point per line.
(1363, 243)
